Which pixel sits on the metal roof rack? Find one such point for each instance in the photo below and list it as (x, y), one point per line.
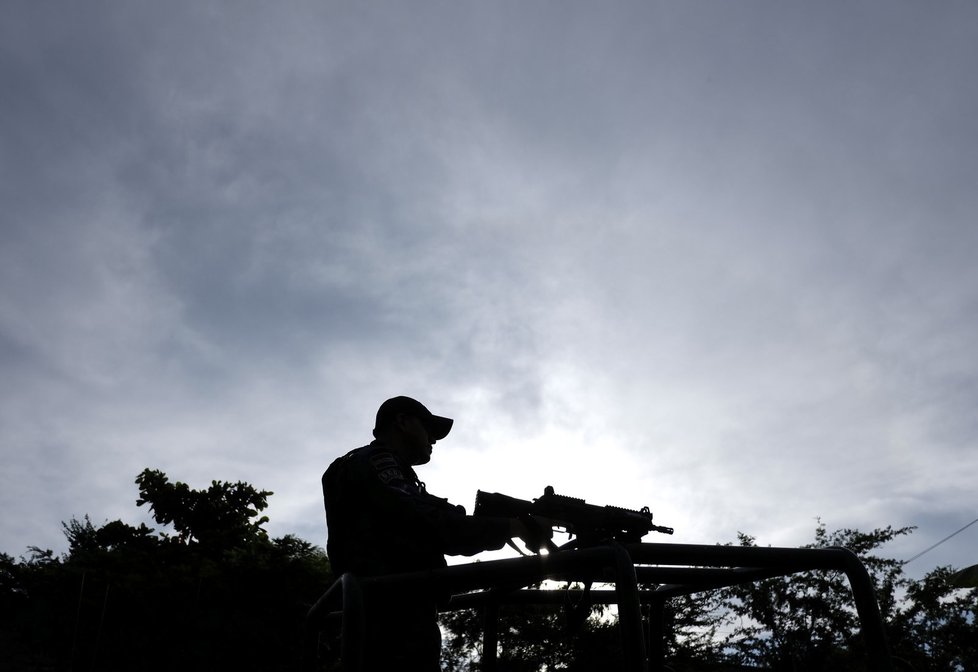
(675, 569)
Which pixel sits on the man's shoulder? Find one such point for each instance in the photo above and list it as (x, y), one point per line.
(374, 459)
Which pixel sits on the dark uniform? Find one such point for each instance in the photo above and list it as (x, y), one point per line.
(382, 520)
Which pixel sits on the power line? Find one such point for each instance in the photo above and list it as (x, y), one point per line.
(931, 548)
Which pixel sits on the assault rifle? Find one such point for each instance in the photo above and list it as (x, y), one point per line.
(589, 523)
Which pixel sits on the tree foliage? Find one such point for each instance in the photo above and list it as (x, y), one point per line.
(534, 637)
(211, 591)
(806, 620)
(937, 626)
(223, 515)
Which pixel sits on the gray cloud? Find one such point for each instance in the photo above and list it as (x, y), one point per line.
(732, 246)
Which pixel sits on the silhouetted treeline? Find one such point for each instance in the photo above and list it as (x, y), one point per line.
(211, 591)
(217, 594)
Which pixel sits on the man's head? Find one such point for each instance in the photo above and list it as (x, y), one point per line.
(408, 425)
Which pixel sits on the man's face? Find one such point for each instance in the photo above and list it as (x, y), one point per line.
(417, 440)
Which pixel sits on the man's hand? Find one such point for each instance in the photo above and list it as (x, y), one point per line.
(535, 532)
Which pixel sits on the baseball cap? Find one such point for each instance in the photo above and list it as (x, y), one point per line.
(437, 426)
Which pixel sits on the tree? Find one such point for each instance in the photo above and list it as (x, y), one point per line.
(534, 637)
(936, 626)
(224, 515)
(692, 630)
(807, 620)
(218, 594)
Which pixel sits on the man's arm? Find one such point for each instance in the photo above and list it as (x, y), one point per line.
(396, 494)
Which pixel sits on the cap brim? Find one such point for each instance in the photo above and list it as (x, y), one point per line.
(439, 427)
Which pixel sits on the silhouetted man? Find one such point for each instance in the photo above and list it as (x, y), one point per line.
(382, 520)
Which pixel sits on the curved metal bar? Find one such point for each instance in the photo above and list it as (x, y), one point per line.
(490, 634)
(864, 595)
(785, 559)
(629, 610)
(347, 592)
(354, 619)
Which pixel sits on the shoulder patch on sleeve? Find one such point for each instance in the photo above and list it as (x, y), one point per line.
(383, 461)
(386, 467)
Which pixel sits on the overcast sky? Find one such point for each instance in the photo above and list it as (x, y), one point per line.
(716, 258)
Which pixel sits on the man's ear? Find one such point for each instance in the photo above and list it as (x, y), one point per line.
(401, 420)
